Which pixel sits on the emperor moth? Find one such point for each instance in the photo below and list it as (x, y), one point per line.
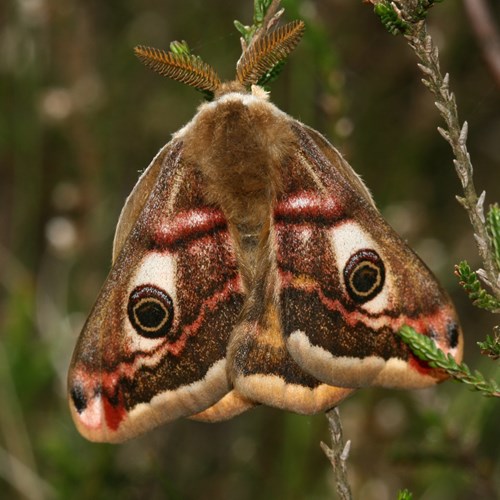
(250, 266)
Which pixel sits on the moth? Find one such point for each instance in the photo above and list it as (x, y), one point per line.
(250, 266)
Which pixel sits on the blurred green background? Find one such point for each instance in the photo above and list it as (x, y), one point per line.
(80, 118)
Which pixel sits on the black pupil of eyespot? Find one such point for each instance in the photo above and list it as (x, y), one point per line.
(364, 278)
(150, 311)
(150, 314)
(364, 275)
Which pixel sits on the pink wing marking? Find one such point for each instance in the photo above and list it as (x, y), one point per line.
(307, 205)
(191, 224)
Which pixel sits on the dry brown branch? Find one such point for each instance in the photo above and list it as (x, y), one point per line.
(338, 454)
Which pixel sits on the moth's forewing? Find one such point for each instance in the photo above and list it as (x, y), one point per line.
(136, 200)
(153, 348)
(348, 282)
(332, 156)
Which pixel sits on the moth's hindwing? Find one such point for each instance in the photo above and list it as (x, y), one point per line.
(260, 366)
(348, 282)
(263, 371)
(154, 346)
(231, 405)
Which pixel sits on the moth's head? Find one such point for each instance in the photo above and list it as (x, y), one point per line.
(236, 88)
(260, 63)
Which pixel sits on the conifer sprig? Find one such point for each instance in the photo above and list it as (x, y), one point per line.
(425, 349)
(491, 346)
(469, 280)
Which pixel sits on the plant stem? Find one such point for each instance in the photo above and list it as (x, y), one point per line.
(338, 454)
(456, 135)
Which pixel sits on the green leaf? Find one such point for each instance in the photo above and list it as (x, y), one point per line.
(471, 284)
(425, 349)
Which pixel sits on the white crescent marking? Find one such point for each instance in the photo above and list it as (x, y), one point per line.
(347, 371)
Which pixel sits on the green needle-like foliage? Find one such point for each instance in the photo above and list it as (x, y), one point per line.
(422, 7)
(491, 346)
(391, 18)
(260, 10)
(425, 349)
(407, 17)
(252, 39)
(272, 74)
(471, 284)
(180, 48)
(247, 32)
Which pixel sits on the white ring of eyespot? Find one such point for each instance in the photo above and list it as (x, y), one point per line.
(156, 301)
(347, 239)
(157, 269)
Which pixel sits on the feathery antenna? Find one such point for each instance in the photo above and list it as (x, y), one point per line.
(264, 52)
(267, 52)
(180, 66)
